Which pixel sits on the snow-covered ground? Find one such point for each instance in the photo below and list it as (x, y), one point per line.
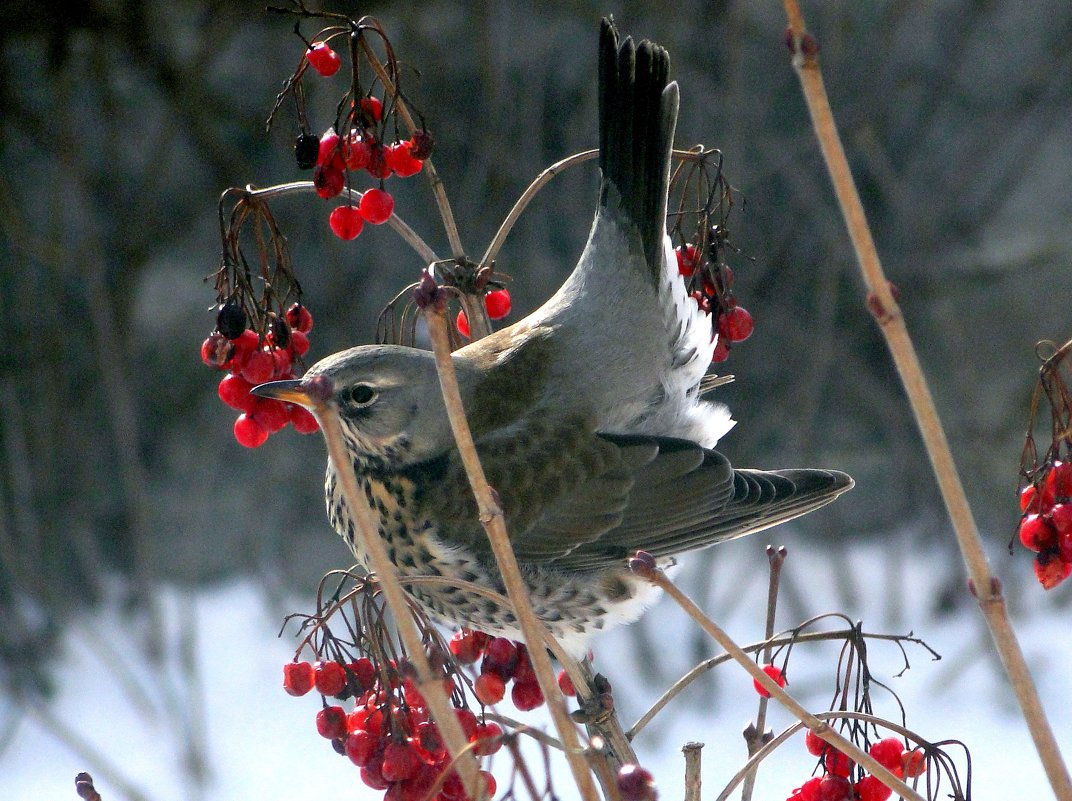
(259, 743)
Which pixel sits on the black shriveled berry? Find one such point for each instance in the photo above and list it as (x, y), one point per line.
(280, 332)
(421, 144)
(231, 321)
(306, 150)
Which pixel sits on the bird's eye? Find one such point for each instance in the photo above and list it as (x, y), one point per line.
(362, 394)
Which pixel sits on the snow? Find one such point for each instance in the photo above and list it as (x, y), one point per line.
(254, 741)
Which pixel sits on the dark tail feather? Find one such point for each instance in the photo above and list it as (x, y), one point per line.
(637, 116)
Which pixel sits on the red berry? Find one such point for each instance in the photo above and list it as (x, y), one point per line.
(466, 646)
(371, 776)
(356, 151)
(1051, 570)
(257, 366)
(488, 738)
(636, 784)
(216, 350)
(346, 222)
(1061, 517)
(814, 743)
(497, 303)
(913, 763)
(489, 783)
(468, 721)
(1037, 534)
(836, 762)
(372, 107)
(400, 762)
(430, 741)
(364, 671)
(1058, 484)
(526, 695)
(834, 788)
(327, 154)
(776, 676)
(811, 789)
(330, 678)
(400, 159)
(249, 432)
(1028, 497)
(328, 180)
(246, 342)
(887, 752)
(284, 363)
(377, 166)
(565, 684)
(331, 722)
(299, 319)
(298, 678)
(299, 342)
(722, 351)
(686, 260)
(462, 324)
(360, 746)
(234, 391)
(376, 206)
(272, 414)
(303, 420)
(323, 59)
(421, 144)
(489, 688)
(736, 324)
(871, 789)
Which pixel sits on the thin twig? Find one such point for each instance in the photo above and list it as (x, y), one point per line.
(692, 770)
(491, 517)
(368, 530)
(821, 729)
(883, 305)
(412, 238)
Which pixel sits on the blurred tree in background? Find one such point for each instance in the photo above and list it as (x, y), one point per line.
(121, 123)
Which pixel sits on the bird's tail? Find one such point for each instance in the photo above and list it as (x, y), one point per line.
(637, 117)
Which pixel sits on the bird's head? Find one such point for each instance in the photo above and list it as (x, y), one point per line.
(387, 397)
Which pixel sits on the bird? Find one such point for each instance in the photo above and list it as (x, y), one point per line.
(588, 414)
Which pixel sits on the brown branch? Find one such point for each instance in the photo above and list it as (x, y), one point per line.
(491, 517)
(692, 770)
(883, 305)
(368, 531)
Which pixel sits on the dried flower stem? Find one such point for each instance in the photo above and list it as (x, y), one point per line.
(883, 306)
(491, 517)
(368, 531)
(659, 579)
(692, 770)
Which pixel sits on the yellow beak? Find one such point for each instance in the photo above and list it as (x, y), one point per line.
(291, 391)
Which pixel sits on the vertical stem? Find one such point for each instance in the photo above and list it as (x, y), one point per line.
(692, 770)
(883, 306)
(491, 517)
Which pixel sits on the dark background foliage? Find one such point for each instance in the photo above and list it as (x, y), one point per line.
(121, 122)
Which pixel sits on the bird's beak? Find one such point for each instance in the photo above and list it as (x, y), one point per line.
(292, 391)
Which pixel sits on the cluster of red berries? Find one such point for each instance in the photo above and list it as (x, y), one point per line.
(714, 296)
(389, 734)
(835, 783)
(497, 302)
(336, 154)
(251, 360)
(501, 661)
(1046, 526)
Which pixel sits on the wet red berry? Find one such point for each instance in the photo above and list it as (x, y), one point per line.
(1058, 485)
(776, 676)
(371, 776)
(399, 158)
(1036, 533)
(299, 342)
(272, 414)
(835, 788)
(489, 688)
(400, 762)
(299, 319)
(636, 784)
(913, 763)
(887, 752)
(836, 762)
(323, 59)
(497, 302)
(468, 722)
(871, 789)
(249, 432)
(814, 743)
(373, 107)
(466, 646)
(686, 260)
(328, 180)
(303, 420)
(722, 351)
(216, 350)
(736, 324)
(565, 684)
(234, 391)
(1051, 570)
(488, 738)
(526, 695)
(327, 151)
(331, 722)
(346, 222)
(257, 366)
(462, 324)
(356, 151)
(360, 746)
(1028, 500)
(330, 678)
(298, 678)
(376, 206)
(377, 166)
(810, 790)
